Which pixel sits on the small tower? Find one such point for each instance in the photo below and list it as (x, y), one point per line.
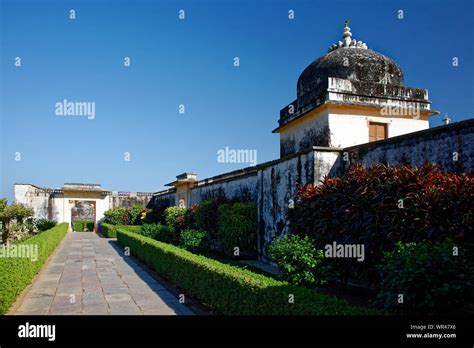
(350, 96)
(446, 119)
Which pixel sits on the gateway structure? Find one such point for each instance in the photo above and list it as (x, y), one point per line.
(75, 201)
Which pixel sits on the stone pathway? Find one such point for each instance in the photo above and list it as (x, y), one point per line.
(89, 275)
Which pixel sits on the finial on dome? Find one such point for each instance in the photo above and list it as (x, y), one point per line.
(347, 40)
(346, 34)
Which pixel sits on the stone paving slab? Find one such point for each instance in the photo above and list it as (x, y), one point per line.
(88, 275)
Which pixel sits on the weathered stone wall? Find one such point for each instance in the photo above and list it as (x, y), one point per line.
(314, 131)
(273, 184)
(450, 146)
(127, 200)
(163, 199)
(33, 196)
(240, 184)
(276, 186)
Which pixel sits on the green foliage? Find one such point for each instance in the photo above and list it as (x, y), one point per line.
(117, 216)
(20, 231)
(3, 204)
(175, 217)
(431, 279)
(136, 214)
(380, 206)
(237, 227)
(145, 216)
(207, 215)
(17, 212)
(190, 217)
(44, 224)
(165, 234)
(299, 261)
(110, 231)
(84, 225)
(16, 273)
(195, 241)
(228, 289)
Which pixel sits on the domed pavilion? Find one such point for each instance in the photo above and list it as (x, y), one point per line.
(350, 96)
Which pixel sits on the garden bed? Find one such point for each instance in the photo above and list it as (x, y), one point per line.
(110, 231)
(17, 272)
(228, 289)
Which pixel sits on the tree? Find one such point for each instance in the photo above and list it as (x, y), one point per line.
(16, 212)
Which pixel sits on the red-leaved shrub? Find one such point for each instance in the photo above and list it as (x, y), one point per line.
(380, 206)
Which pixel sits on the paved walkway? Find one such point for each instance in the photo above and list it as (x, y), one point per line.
(90, 275)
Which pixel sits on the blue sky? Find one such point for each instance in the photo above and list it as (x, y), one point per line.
(190, 62)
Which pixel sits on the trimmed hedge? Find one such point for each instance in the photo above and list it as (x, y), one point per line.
(228, 289)
(17, 273)
(110, 231)
(82, 225)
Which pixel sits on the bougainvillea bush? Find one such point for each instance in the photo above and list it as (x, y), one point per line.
(381, 206)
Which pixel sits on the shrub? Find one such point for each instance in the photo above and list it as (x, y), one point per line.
(228, 289)
(299, 261)
(195, 241)
(117, 216)
(175, 217)
(110, 231)
(84, 225)
(165, 234)
(146, 215)
(238, 227)
(136, 214)
(22, 230)
(379, 206)
(190, 217)
(207, 215)
(44, 224)
(17, 272)
(431, 279)
(16, 212)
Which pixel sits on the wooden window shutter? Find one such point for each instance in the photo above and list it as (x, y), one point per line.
(377, 131)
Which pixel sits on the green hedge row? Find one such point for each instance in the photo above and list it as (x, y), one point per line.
(17, 272)
(110, 231)
(84, 225)
(228, 289)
